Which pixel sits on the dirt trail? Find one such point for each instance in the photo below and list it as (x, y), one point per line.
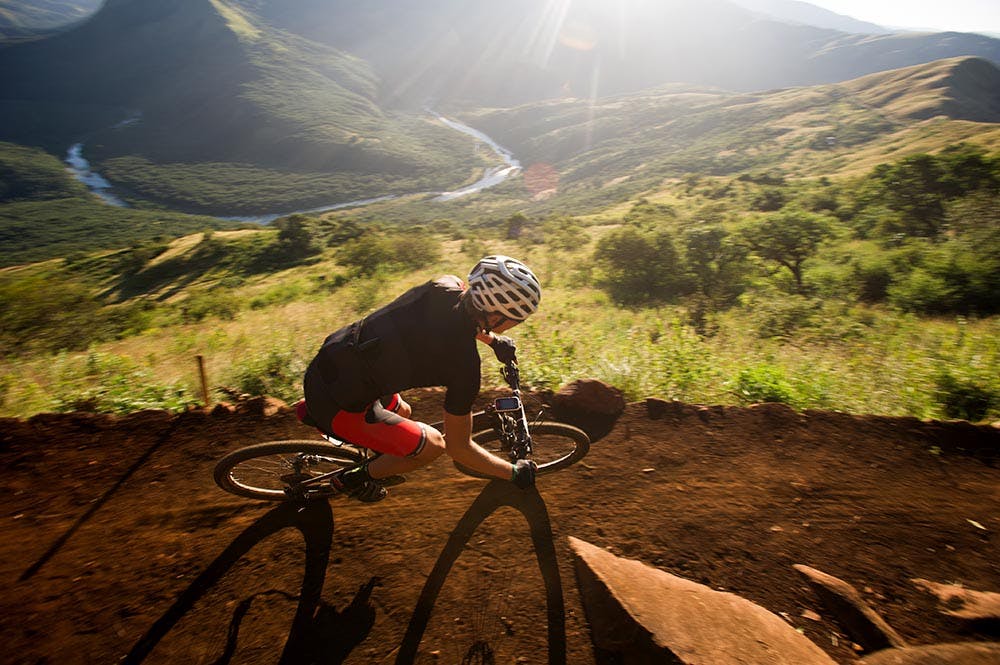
(117, 542)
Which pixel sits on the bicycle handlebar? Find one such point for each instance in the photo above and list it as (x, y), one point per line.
(512, 375)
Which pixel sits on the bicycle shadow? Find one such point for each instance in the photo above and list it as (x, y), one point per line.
(497, 494)
(98, 503)
(319, 633)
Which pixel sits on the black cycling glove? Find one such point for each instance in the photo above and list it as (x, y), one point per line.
(504, 348)
(523, 475)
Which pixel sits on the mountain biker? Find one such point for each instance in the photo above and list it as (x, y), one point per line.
(426, 337)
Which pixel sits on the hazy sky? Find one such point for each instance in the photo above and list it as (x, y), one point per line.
(960, 15)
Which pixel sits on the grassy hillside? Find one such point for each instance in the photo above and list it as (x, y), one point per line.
(521, 51)
(624, 145)
(579, 157)
(959, 88)
(690, 293)
(46, 213)
(210, 86)
(830, 247)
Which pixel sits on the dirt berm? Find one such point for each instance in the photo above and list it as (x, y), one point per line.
(118, 547)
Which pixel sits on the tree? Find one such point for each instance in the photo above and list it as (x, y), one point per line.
(967, 168)
(365, 254)
(648, 215)
(415, 250)
(339, 231)
(975, 221)
(768, 199)
(639, 266)
(788, 238)
(914, 188)
(564, 233)
(717, 263)
(295, 236)
(515, 225)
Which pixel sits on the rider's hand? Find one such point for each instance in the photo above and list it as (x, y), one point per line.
(523, 474)
(504, 348)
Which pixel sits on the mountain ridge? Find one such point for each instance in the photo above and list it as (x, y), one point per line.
(805, 13)
(959, 88)
(468, 52)
(225, 92)
(214, 84)
(633, 142)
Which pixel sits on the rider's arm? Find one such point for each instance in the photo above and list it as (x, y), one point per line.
(461, 448)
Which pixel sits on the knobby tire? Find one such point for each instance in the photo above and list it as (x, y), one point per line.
(566, 443)
(265, 459)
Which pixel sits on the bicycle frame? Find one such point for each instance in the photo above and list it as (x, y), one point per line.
(511, 423)
(301, 485)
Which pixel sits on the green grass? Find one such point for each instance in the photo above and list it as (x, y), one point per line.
(846, 357)
(256, 306)
(39, 230)
(45, 213)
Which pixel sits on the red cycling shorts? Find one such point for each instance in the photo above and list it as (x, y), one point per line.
(378, 427)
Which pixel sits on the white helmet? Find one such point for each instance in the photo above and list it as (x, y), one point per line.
(502, 285)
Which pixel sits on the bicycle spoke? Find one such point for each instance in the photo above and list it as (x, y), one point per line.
(277, 470)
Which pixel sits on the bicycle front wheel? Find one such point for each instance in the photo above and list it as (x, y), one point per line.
(274, 471)
(554, 446)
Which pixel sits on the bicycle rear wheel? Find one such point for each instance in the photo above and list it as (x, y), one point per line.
(554, 446)
(273, 471)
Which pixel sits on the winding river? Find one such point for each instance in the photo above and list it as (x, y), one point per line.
(94, 181)
(492, 177)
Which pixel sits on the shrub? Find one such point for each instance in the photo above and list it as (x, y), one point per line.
(779, 315)
(763, 383)
(872, 280)
(112, 384)
(412, 251)
(48, 313)
(366, 254)
(964, 398)
(646, 214)
(922, 292)
(277, 373)
(200, 306)
(475, 248)
(640, 266)
(768, 199)
(280, 293)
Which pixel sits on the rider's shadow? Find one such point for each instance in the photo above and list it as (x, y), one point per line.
(319, 633)
(497, 494)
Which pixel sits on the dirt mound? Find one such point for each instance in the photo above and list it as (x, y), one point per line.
(119, 546)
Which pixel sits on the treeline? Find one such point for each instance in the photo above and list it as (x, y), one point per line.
(54, 308)
(45, 213)
(921, 234)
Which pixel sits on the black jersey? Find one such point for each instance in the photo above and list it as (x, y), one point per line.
(423, 338)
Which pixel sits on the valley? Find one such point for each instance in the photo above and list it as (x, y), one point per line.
(773, 231)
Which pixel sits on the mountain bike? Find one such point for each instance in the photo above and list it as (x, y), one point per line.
(553, 446)
(301, 469)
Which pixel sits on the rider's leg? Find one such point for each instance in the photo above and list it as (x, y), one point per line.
(403, 443)
(388, 465)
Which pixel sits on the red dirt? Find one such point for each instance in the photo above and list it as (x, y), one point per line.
(117, 541)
